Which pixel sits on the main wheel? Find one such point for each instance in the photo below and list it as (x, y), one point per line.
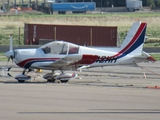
(50, 80)
(64, 81)
(21, 81)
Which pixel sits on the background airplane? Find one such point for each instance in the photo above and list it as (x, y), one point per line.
(60, 55)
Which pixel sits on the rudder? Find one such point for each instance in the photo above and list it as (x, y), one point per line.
(134, 40)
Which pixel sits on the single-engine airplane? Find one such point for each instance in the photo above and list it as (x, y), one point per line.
(60, 55)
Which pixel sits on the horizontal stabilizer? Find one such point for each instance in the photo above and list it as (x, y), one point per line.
(149, 57)
(146, 57)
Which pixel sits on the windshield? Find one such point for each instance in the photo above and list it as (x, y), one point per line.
(60, 47)
(55, 48)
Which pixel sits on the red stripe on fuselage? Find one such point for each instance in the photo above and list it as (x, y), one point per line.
(87, 59)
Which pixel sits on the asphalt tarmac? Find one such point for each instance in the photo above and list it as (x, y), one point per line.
(109, 93)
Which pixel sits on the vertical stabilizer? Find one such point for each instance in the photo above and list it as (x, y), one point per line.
(130, 34)
(133, 43)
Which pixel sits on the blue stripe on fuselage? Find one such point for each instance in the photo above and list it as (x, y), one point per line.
(28, 64)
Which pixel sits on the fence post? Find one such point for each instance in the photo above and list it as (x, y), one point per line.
(91, 37)
(19, 35)
(55, 33)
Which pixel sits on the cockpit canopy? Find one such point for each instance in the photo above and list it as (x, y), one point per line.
(60, 48)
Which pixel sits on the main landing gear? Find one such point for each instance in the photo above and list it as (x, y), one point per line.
(57, 77)
(50, 77)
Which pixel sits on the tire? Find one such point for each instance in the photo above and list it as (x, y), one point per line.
(21, 81)
(50, 80)
(64, 81)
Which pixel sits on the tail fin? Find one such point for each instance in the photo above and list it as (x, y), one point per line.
(131, 34)
(133, 43)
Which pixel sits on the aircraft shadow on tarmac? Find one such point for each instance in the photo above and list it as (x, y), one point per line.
(26, 82)
(102, 111)
(118, 72)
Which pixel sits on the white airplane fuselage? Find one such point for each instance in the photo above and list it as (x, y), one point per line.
(36, 58)
(61, 55)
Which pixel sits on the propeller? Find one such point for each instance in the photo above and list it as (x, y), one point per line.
(9, 55)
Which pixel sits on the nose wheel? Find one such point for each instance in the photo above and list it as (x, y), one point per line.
(51, 80)
(23, 77)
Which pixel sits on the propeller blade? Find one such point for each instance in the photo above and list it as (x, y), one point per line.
(11, 58)
(8, 61)
(9, 69)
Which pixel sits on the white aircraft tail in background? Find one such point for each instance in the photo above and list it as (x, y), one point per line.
(60, 55)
